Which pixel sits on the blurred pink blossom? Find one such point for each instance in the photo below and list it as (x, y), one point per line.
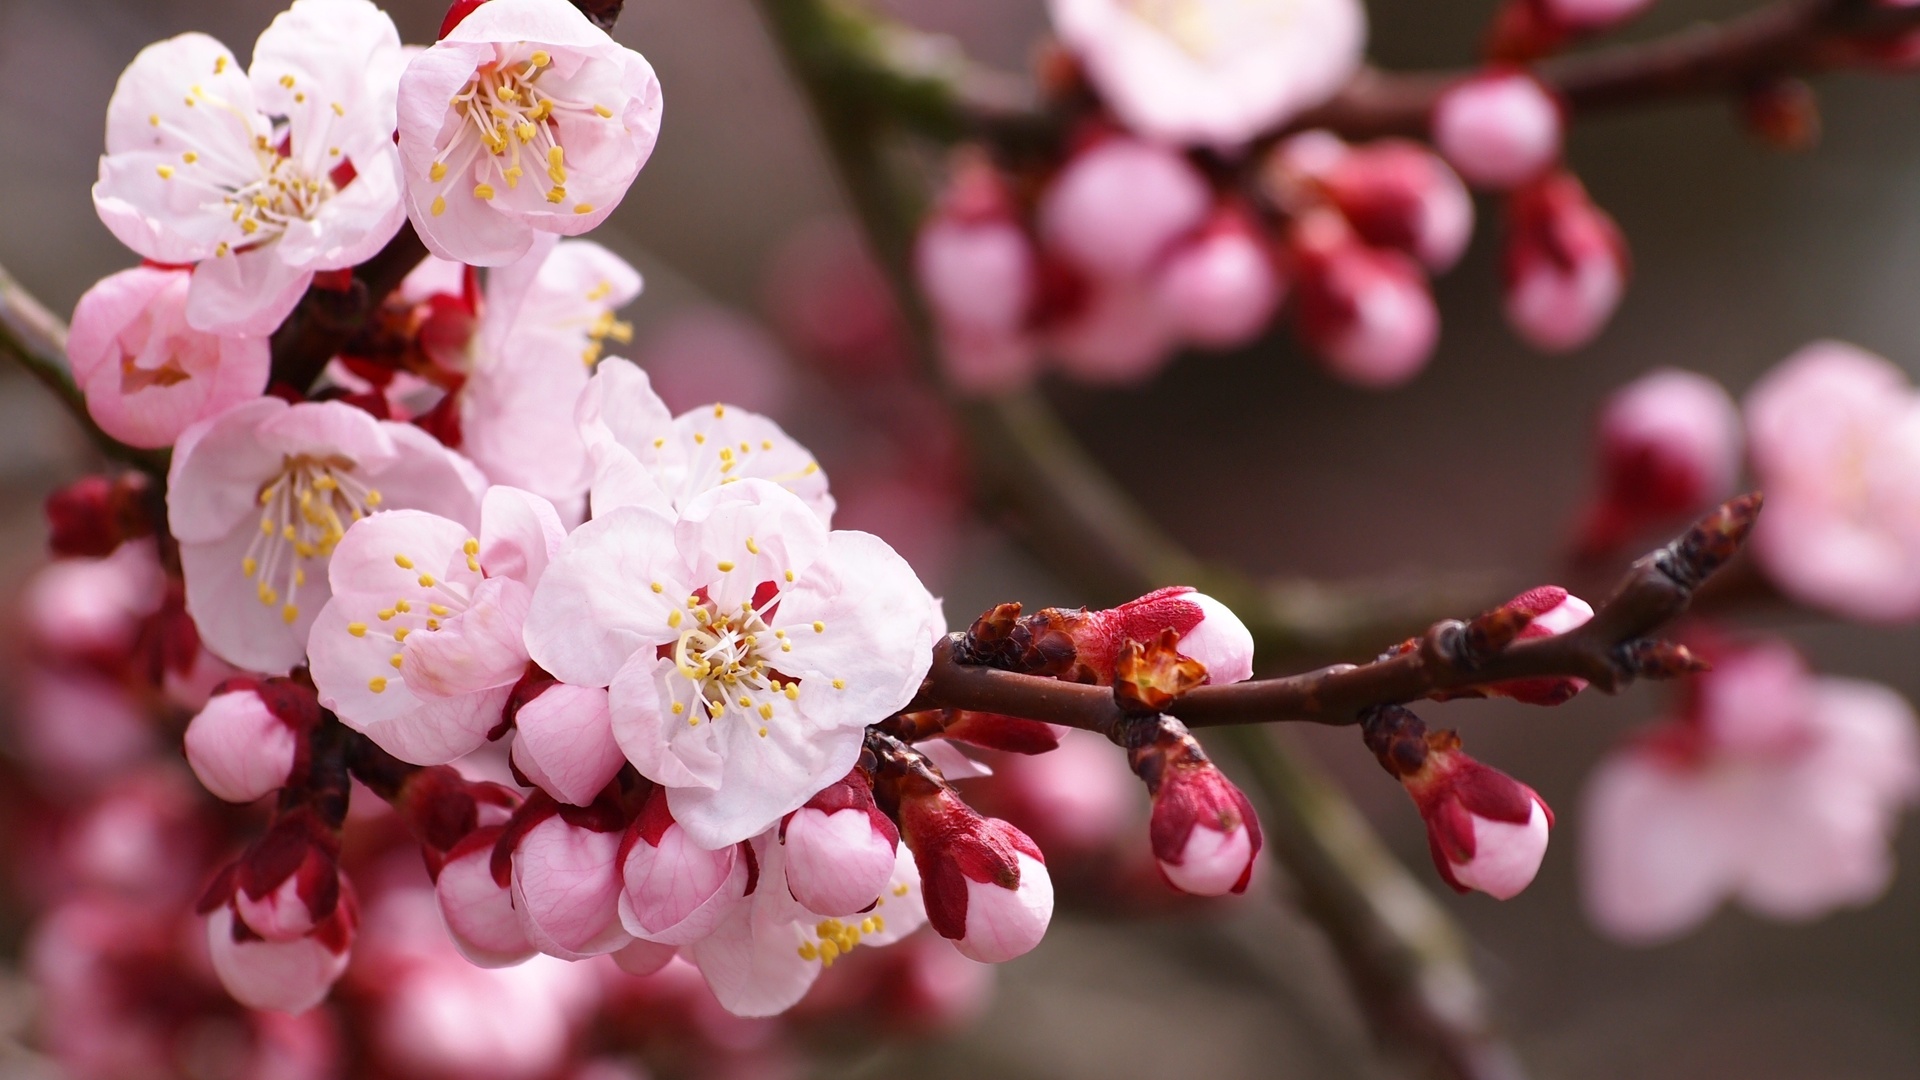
(1565, 264)
(1498, 129)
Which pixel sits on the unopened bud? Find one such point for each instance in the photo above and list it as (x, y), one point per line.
(93, 515)
(671, 890)
(239, 747)
(1669, 445)
(1565, 265)
(1204, 831)
(840, 849)
(1552, 611)
(1221, 288)
(1365, 312)
(1498, 129)
(566, 882)
(284, 976)
(1396, 193)
(1119, 204)
(563, 742)
(985, 883)
(1784, 113)
(476, 909)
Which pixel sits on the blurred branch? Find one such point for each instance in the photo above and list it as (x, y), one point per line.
(1026, 450)
(37, 339)
(1451, 659)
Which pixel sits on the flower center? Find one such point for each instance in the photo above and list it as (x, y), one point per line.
(510, 132)
(304, 511)
(439, 602)
(724, 656)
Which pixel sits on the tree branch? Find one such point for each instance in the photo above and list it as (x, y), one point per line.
(1451, 659)
(327, 319)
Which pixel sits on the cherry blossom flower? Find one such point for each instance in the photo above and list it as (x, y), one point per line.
(1565, 265)
(1217, 72)
(308, 471)
(524, 118)
(1834, 437)
(1669, 445)
(643, 456)
(147, 374)
(762, 958)
(261, 177)
(1772, 787)
(239, 747)
(1117, 206)
(674, 892)
(1498, 129)
(286, 976)
(421, 642)
(746, 647)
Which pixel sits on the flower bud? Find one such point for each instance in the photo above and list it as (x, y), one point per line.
(1084, 646)
(1204, 831)
(1587, 16)
(1221, 288)
(1565, 265)
(840, 849)
(1119, 204)
(1486, 830)
(238, 747)
(1669, 446)
(286, 976)
(566, 884)
(1365, 311)
(671, 890)
(984, 882)
(93, 515)
(1119, 335)
(563, 742)
(1398, 194)
(1499, 129)
(973, 261)
(476, 909)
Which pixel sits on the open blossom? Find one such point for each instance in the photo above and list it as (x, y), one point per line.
(641, 455)
(260, 496)
(421, 642)
(1669, 445)
(147, 374)
(1499, 129)
(1773, 787)
(762, 958)
(746, 647)
(261, 177)
(1834, 437)
(1217, 72)
(523, 118)
(1565, 264)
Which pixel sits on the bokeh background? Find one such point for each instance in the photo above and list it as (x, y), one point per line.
(1741, 255)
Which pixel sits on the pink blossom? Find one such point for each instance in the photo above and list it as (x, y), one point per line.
(1565, 265)
(674, 892)
(524, 118)
(92, 609)
(239, 748)
(1773, 787)
(197, 172)
(839, 848)
(1834, 437)
(260, 495)
(563, 742)
(1121, 334)
(1204, 831)
(980, 275)
(147, 374)
(1396, 193)
(1498, 129)
(421, 642)
(1117, 206)
(747, 648)
(566, 886)
(643, 456)
(1221, 288)
(762, 958)
(476, 910)
(285, 976)
(1669, 445)
(985, 884)
(1214, 73)
(1365, 311)
(707, 353)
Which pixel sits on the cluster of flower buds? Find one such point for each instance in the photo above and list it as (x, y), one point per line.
(1487, 831)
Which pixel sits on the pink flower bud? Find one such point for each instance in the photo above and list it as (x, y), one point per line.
(984, 882)
(1499, 129)
(840, 849)
(566, 886)
(673, 891)
(288, 882)
(1221, 288)
(563, 742)
(1669, 446)
(238, 748)
(285, 976)
(1118, 205)
(1209, 632)
(1396, 193)
(1554, 611)
(1565, 265)
(1587, 16)
(1204, 831)
(476, 909)
(1120, 335)
(1365, 311)
(973, 260)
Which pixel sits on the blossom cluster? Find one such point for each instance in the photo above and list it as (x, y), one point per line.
(1172, 216)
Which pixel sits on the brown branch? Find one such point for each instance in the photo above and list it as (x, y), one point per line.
(1452, 658)
(327, 319)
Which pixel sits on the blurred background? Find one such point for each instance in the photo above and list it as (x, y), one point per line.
(1741, 255)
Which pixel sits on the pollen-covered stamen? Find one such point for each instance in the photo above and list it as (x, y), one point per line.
(730, 660)
(509, 132)
(256, 181)
(438, 602)
(304, 511)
